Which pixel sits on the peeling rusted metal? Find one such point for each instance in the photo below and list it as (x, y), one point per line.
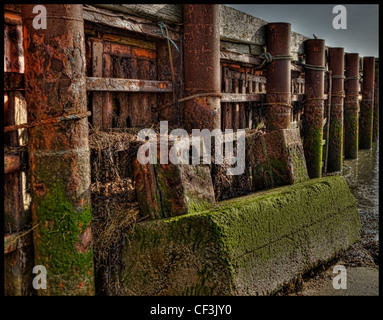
(202, 66)
(367, 104)
(335, 152)
(351, 107)
(59, 153)
(278, 74)
(314, 106)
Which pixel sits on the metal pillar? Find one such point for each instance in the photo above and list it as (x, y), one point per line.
(278, 73)
(351, 107)
(314, 106)
(375, 131)
(367, 104)
(335, 153)
(202, 67)
(59, 152)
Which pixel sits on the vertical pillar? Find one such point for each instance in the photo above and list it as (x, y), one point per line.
(59, 153)
(351, 107)
(376, 111)
(202, 67)
(367, 104)
(335, 152)
(314, 106)
(278, 73)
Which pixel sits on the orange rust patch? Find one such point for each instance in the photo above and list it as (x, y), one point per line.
(143, 53)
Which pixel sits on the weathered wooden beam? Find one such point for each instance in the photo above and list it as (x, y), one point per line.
(169, 13)
(240, 97)
(231, 56)
(127, 85)
(13, 81)
(127, 22)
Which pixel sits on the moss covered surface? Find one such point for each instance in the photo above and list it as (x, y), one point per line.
(251, 245)
(63, 245)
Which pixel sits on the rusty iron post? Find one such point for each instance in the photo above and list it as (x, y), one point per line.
(314, 106)
(375, 132)
(278, 73)
(59, 153)
(202, 67)
(367, 104)
(351, 107)
(335, 152)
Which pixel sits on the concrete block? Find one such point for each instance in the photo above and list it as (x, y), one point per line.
(252, 245)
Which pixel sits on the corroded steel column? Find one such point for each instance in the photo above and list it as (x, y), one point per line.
(202, 67)
(314, 106)
(367, 104)
(375, 132)
(351, 107)
(335, 152)
(278, 74)
(59, 153)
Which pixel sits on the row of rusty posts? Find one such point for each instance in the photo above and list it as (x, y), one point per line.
(350, 127)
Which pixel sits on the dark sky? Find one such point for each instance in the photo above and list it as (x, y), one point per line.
(361, 35)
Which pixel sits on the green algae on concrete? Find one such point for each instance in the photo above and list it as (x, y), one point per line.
(252, 245)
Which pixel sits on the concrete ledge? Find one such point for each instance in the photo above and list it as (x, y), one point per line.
(251, 245)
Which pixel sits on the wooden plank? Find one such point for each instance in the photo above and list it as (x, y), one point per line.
(127, 21)
(128, 85)
(247, 59)
(107, 110)
(97, 66)
(171, 13)
(239, 97)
